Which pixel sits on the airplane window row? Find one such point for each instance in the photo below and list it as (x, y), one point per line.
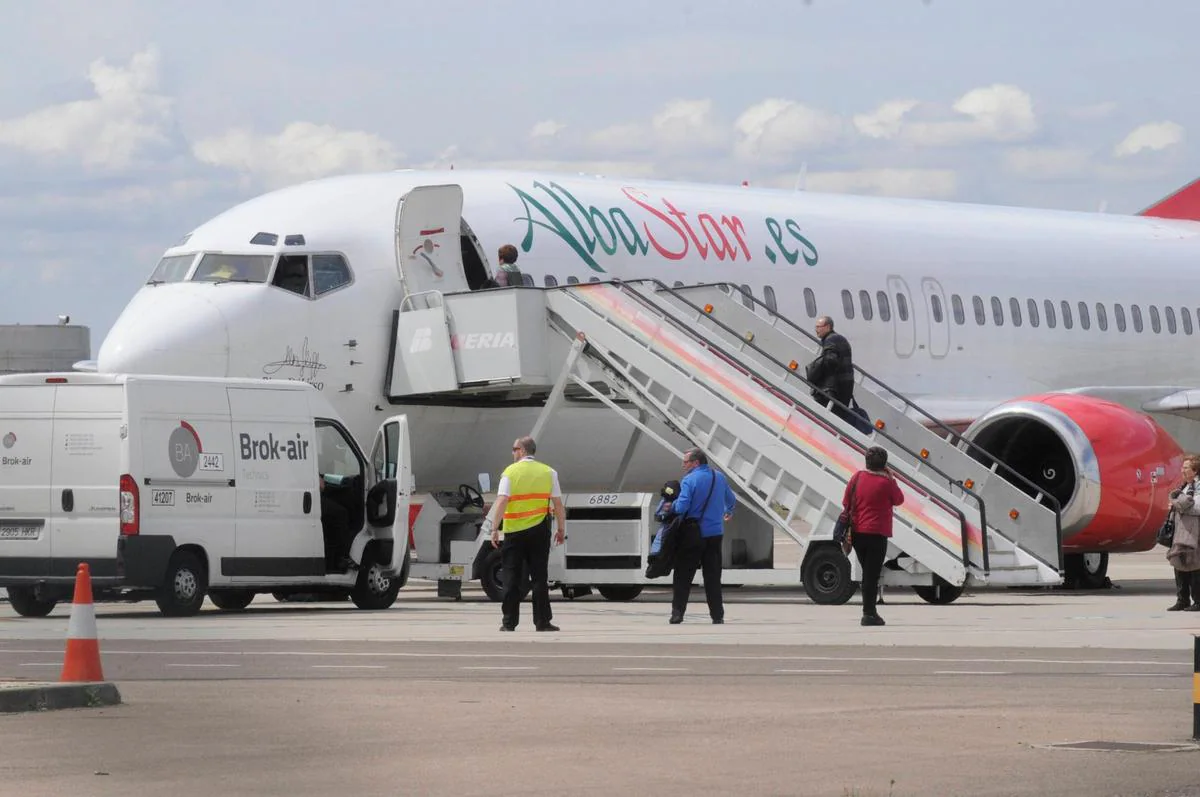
(997, 311)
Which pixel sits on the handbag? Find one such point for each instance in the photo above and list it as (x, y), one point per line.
(843, 529)
(1166, 533)
(861, 420)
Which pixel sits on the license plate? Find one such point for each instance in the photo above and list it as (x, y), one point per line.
(22, 531)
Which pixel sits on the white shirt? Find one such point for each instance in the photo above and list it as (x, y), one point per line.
(505, 488)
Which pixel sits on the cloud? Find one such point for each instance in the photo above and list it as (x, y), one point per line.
(547, 129)
(779, 130)
(125, 121)
(1152, 136)
(680, 126)
(998, 112)
(916, 183)
(886, 120)
(301, 151)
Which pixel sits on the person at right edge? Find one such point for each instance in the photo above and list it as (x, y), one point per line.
(704, 497)
(870, 497)
(831, 373)
(1184, 553)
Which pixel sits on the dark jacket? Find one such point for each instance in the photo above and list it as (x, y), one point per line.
(833, 368)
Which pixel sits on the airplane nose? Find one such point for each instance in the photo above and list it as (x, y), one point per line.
(167, 330)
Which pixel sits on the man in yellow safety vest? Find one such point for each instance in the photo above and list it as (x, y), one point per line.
(524, 496)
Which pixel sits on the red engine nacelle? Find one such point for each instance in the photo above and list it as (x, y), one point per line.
(1111, 467)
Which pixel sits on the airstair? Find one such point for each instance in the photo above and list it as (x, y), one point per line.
(723, 371)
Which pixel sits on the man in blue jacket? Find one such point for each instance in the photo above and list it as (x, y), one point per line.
(704, 498)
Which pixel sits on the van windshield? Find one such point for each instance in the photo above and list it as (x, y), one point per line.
(233, 268)
(171, 269)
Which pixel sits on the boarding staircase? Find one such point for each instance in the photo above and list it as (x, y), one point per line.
(723, 370)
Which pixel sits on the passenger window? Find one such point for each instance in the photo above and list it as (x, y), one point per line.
(980, 315)
(1101, 317)
(935, 306)
(864, 304)
(335, 454)
(1185, 315)
(885, 309)
(233, 268)
(956, 304)
(848, 305)
(330, 272)
(1136, 312)
(1031, 305)
(1169, 312)
(769, 298)
(901, 307)
(1119, 312)
(172, 269)
(997, 312)
(527, 280)
(1014, 309)
(291, 274)
(1048, 306)
(678, 283)
(572, 280)
(1155, 321)
(747, 299)
(1085, 321)
(551, 281)
(1066, 314)
(810, 303)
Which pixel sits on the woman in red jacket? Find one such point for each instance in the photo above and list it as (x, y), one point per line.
(870, 497)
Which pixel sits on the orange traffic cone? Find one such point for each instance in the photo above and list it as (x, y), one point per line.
(82, 660)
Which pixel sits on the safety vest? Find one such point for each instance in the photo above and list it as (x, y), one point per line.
(530, 483)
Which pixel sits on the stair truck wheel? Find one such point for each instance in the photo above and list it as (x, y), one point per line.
(826, 575)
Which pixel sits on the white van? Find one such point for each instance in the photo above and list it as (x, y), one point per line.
(175, 487)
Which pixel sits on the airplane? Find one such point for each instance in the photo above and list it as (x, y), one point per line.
(1059, 341)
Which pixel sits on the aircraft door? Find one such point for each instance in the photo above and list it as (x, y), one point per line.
(904, 324)
(938, 315)
(390, 486)
(428, 249)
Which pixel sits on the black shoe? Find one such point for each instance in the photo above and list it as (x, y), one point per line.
(1178, 607)
(718, 621)
(548, 627)
(504, 627)
(1195, 607)
(346, 564)
(676, 619)
(872, 619)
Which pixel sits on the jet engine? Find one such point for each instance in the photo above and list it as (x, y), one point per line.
(1110, 468)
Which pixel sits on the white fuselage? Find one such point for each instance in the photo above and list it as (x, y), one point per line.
(804, 252)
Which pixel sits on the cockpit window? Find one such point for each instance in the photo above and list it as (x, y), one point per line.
(329, 272)
(171, 269)
(232, 268)
(291, 274)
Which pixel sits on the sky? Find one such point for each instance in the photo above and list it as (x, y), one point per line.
(127, 123)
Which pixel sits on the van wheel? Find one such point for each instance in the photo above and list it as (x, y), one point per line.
(26, 603)
(182, 592)
(620, 592)
(826, 575)
(231, 600)
(374, 589)
(491, 577)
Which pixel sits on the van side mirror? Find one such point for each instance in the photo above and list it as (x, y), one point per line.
(485, 482)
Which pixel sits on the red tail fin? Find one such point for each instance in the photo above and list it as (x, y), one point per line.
(1183, 204)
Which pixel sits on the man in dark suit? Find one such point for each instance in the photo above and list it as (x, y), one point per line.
(831, 373)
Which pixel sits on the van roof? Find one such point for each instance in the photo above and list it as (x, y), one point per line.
(83, 378)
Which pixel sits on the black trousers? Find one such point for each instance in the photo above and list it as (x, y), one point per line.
(870, 550)
(529, 548)
(708, 556)
(335, 526)
(844, 394)
(1187, 586)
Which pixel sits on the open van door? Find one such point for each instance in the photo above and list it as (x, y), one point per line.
(428, 248)
(389, 494)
